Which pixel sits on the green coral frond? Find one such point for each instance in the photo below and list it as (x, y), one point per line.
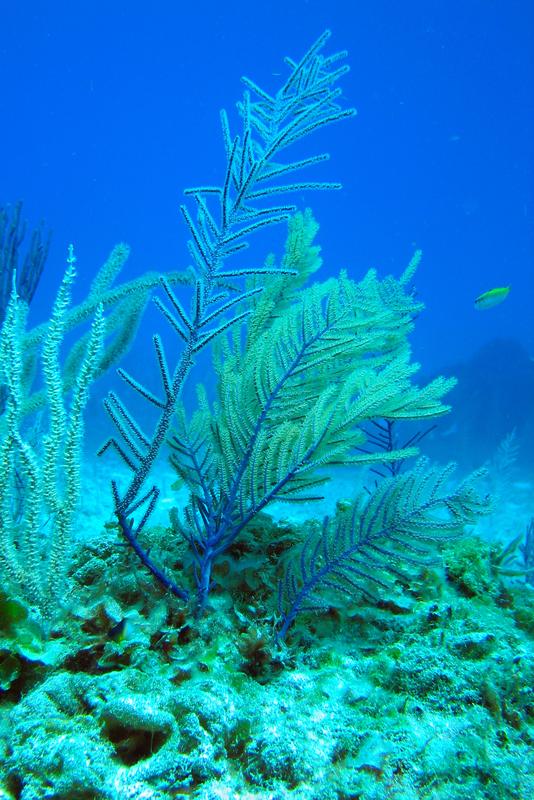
(376, 540)
(33, 561)
(407, 276)
(126, 303)
(293, 396)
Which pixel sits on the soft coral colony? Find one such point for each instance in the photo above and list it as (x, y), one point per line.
(300, 367)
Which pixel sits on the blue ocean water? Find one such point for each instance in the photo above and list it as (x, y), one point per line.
(108, 111)
(111, 110)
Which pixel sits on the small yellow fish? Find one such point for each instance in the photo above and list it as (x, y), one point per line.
(122, 631)
(492, 298)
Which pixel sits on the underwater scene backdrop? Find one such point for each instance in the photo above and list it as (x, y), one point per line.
(267, 400)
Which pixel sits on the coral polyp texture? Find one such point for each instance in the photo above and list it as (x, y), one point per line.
(316, 618)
